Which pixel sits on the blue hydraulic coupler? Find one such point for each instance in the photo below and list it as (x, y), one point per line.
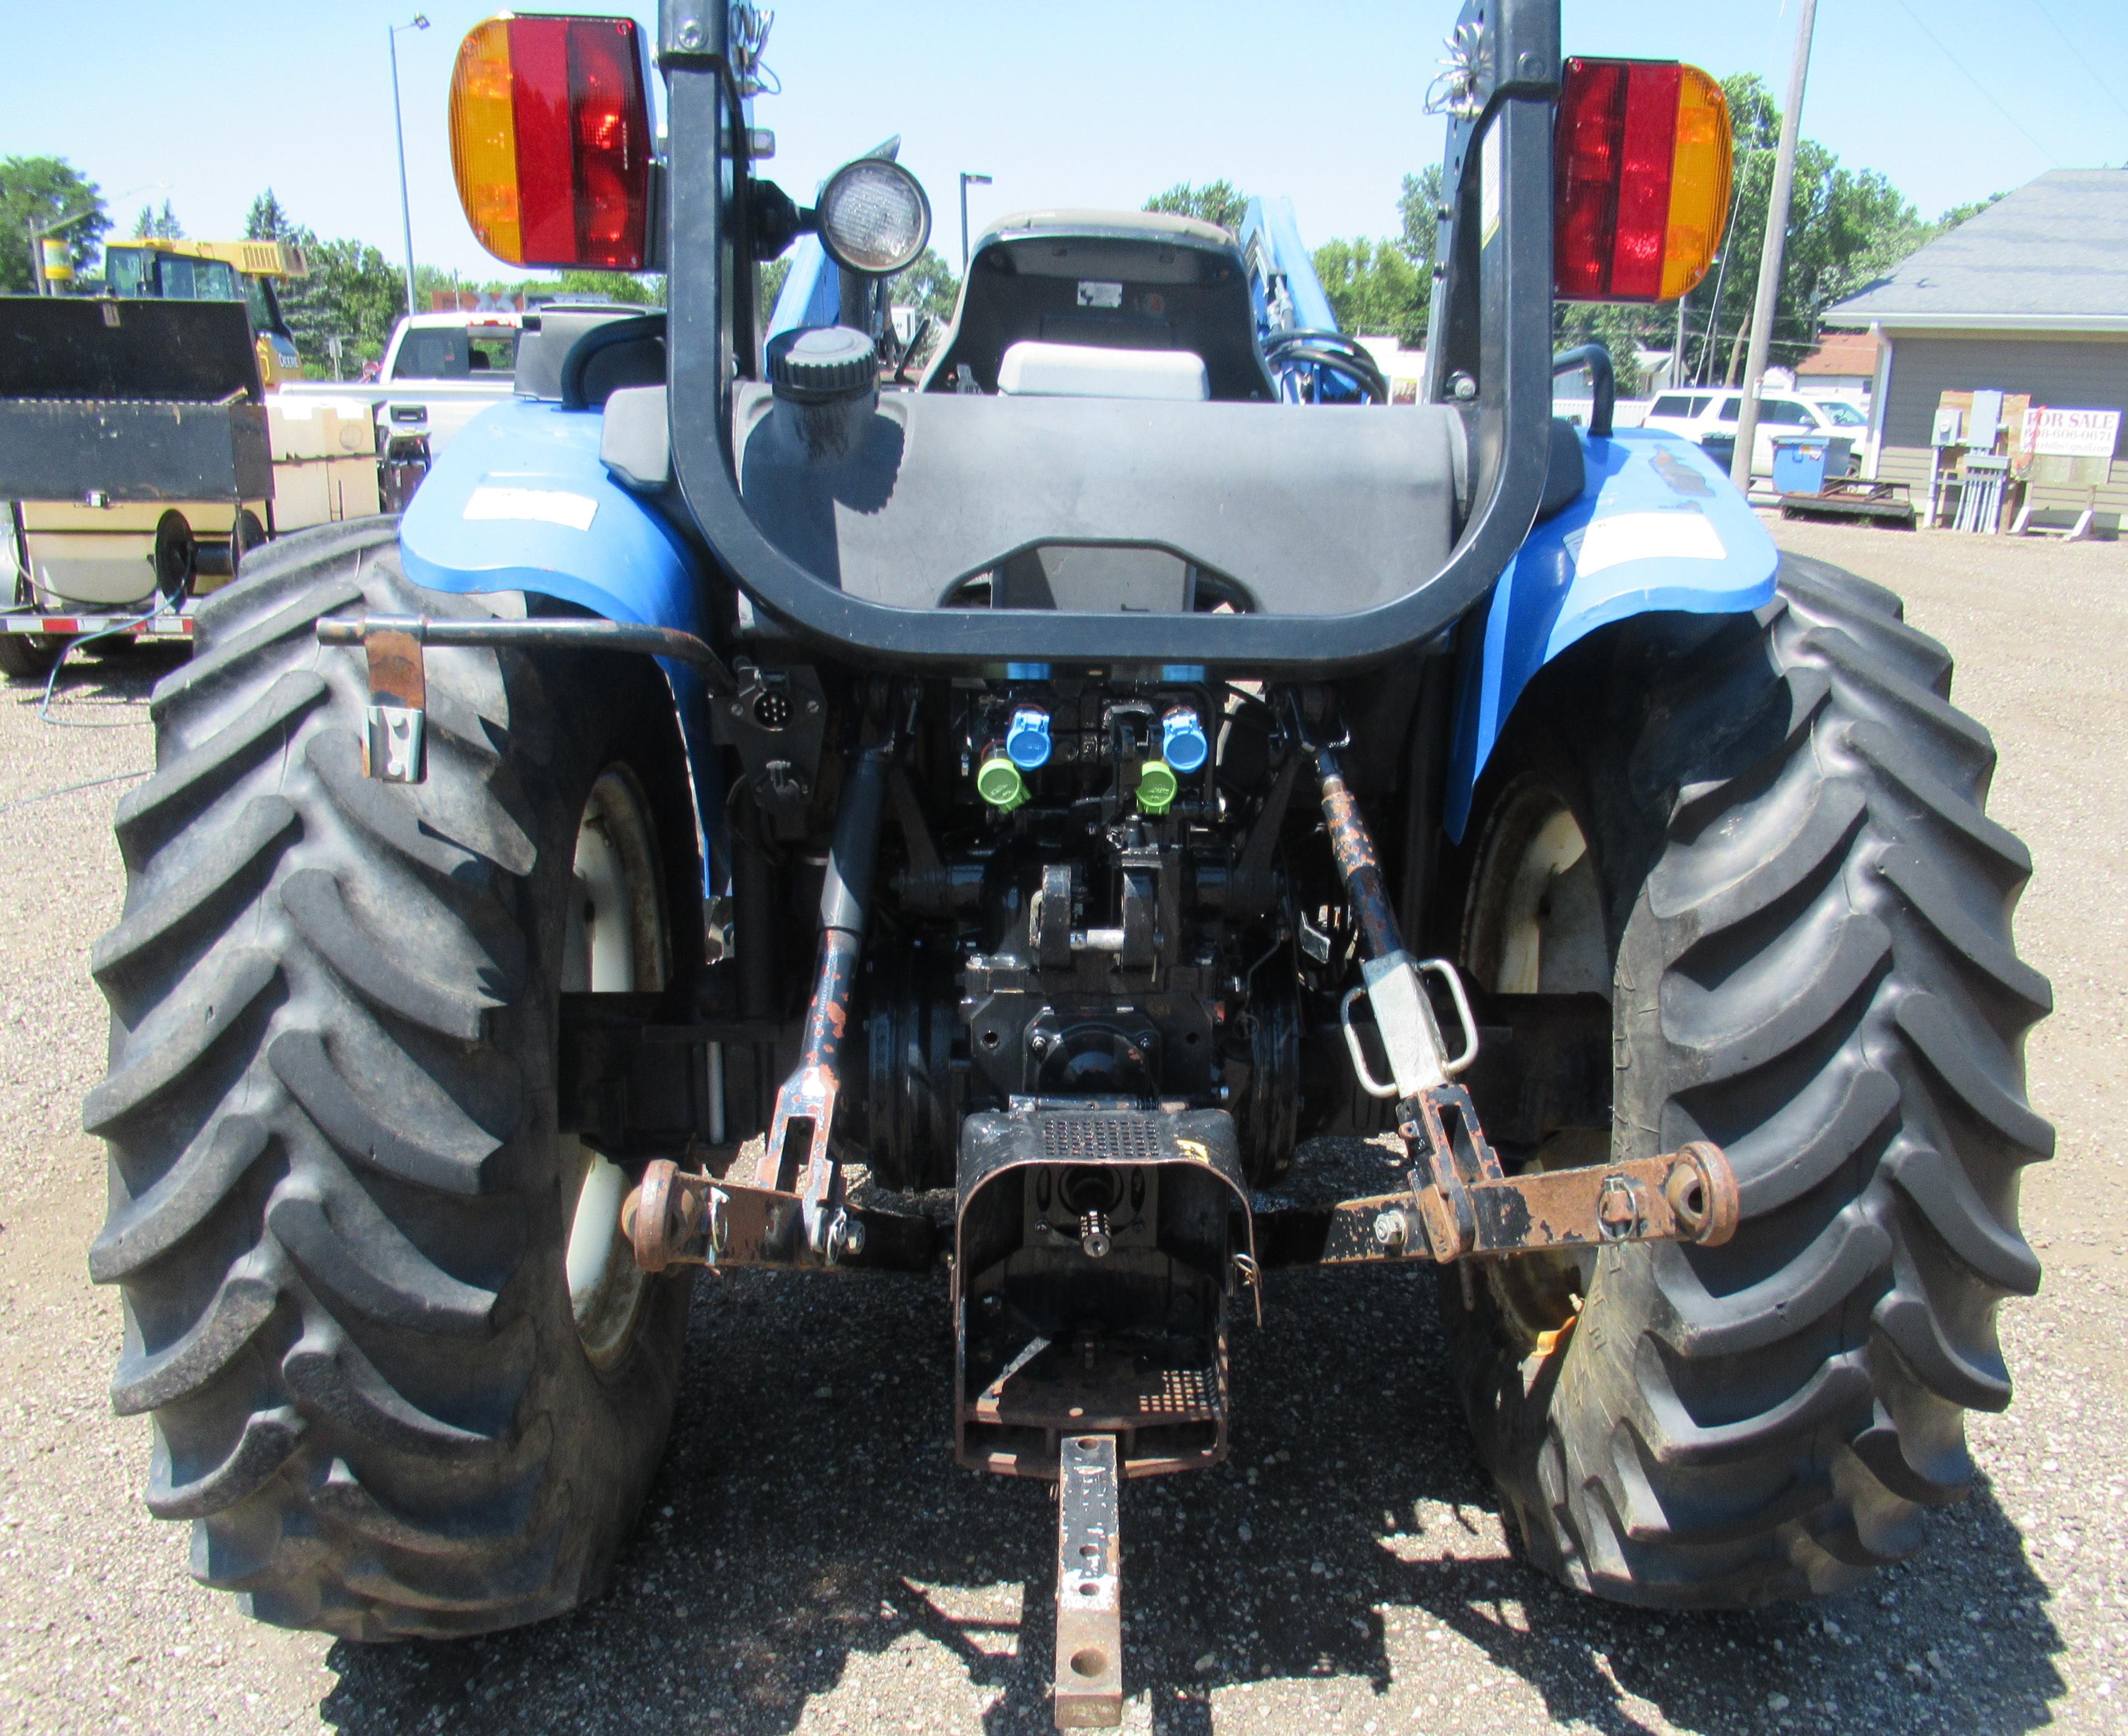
(1182, 743)
(1026, 738)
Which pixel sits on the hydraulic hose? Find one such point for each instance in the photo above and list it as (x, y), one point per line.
(1308, 346)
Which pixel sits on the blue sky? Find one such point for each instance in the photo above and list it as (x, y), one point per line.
(1095, 102)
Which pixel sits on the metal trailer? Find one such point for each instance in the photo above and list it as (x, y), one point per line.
(131, 413)
(142, 462)
(1061, 784)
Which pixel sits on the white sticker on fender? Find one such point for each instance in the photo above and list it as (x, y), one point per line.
(1640, 536)
(548, 506)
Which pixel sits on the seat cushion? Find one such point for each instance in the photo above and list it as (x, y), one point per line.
(1035, 370)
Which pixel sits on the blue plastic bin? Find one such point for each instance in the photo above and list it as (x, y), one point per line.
(1803, 461)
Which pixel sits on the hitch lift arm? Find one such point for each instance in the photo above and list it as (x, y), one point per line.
(791, 1211)
(1460, 1202)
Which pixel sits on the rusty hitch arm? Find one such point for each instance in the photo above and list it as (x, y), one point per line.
(792, 1211)
(1686, 1195)
(681, 1216)
(1461, 1203)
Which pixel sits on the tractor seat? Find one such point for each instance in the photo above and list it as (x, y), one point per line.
(1105, 282)
(1032, 370)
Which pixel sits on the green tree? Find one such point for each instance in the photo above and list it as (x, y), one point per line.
(614, 286)
(1418, 209)
(1845, 227)
(163, 225)
(1621, 328)
(37, 192)
(930, 287)
(1374, 289)
(1216, 201)
(1385, 288)
(266, 220)
(1959, 213)
(570, 285)
(773, 277)
(353, 293)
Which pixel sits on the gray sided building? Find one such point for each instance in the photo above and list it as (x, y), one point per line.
(2030, 295)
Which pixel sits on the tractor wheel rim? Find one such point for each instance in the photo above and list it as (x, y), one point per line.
(1535, 925)
(614, 942)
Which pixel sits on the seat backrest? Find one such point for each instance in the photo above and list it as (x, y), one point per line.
(1105, 280)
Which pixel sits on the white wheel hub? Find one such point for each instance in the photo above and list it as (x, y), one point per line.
(1535, 926)
(613, 942)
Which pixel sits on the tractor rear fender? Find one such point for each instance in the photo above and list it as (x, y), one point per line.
(1656, 527)
(519, 501)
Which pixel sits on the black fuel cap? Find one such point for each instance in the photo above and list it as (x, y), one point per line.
(819, 364)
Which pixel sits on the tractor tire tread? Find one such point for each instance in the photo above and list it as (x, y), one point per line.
(322, 1192)
(1817, 972)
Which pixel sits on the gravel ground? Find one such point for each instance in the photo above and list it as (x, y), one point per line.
(812, 1561)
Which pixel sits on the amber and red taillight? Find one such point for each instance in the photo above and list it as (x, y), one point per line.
(1641, 189)
(551, 140)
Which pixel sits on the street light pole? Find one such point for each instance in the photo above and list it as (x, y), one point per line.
(399, 133)
(967, 181)
(1769, 255)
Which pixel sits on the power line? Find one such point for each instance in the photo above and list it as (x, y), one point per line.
(2078, 55)
(1977, 84)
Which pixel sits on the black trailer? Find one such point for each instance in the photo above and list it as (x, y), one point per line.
(140, 421)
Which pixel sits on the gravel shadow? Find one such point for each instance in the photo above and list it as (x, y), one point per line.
(108, 669)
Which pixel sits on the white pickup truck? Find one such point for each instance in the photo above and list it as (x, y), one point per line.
(440, 372)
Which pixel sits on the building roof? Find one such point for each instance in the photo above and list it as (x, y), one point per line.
(2052, 256)
(1843, 354)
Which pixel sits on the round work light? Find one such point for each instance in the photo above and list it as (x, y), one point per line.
(873, 216)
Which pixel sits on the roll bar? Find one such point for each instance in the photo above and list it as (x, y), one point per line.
(1491, 357)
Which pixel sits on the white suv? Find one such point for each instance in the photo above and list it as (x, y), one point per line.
(1693, 416)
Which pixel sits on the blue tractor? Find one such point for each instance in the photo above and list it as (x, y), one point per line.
(768, 805)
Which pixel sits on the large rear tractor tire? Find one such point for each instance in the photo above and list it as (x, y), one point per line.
(405, 1379)
(1762, 840)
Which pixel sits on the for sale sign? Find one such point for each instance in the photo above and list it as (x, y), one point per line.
(2073, 434)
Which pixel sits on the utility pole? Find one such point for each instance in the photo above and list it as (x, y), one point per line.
(1770, 256)
(399, 133)
(967, 181)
